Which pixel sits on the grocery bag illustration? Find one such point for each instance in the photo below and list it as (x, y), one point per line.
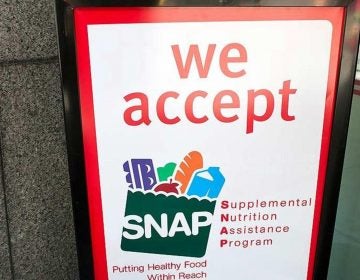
(169, 209)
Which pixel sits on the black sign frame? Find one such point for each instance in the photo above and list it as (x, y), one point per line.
(65, 28)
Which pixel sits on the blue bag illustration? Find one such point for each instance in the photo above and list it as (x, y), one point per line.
(207, 183)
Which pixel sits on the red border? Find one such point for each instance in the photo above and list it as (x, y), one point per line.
(86, 16)
(357, 87)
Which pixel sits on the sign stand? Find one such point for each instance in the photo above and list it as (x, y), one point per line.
(206, 135)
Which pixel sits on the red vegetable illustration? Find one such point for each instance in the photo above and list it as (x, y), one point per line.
(168, 187)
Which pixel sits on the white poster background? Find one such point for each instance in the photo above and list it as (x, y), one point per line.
(279, 160)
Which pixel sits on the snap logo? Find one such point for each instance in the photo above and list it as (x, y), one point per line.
(169, 209)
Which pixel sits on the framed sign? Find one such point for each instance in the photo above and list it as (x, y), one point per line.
(205, 142)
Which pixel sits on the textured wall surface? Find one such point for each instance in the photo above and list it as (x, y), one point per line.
(27, 29)
(35, 179)
(5, 269)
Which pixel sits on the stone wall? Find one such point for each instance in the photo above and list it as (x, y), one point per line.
(36, 224)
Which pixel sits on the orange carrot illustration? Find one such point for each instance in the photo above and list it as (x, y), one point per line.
(191, 162)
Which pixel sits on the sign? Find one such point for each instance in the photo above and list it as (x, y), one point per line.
(206, 135)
